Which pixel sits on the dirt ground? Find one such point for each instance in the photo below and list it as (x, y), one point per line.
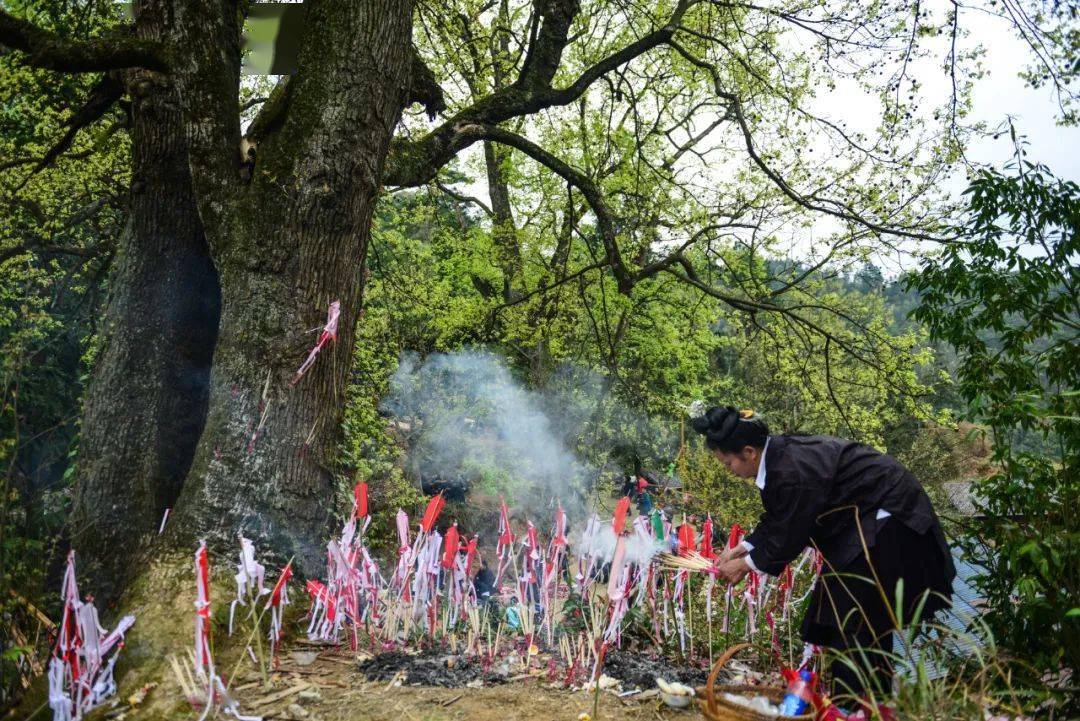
(332, 688)
(511, 701)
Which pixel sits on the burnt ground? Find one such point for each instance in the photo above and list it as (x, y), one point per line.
(433, 669)
(639, 670)
(634, 670)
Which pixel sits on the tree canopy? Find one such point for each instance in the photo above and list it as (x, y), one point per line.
(654, 202)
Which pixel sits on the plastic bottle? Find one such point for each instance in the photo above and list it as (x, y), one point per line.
(799, 696)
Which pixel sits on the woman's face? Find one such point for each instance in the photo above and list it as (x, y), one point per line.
(743, 464)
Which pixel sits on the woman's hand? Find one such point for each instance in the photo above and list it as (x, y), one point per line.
(730, 554)
(732, 570)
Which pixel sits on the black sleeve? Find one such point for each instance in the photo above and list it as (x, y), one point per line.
(793, 501)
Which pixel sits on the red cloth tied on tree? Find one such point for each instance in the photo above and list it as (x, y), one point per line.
(202, 608)
(328, 334)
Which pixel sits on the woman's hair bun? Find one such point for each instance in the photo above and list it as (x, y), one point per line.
(701, 424)
(726, 427)
(722, 421)
(717, 423)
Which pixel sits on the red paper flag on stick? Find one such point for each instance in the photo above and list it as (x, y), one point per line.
(735, 537)
(360, 494)
(686, 539)
(450, 547)
(506, 536)
(434, 508)
(279, 587)
(621, 509)
(558, 535)
(532, 541)
(279, 597)
(616, 590)
(470, 554)
(706, 539)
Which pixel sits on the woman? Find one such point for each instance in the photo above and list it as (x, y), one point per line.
(865, 513)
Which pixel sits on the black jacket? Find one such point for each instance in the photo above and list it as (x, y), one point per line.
(815, 486)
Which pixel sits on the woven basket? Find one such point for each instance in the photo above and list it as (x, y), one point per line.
(717, 708)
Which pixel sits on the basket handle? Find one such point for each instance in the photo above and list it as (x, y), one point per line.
(710, 701)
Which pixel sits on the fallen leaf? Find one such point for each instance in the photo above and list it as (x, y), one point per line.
(139, 696)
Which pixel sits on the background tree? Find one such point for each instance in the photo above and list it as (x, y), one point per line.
(62, 208)
(1007, 299)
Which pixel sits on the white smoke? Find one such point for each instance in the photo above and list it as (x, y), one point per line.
(597, 541)
(469, 417)
(641, 549)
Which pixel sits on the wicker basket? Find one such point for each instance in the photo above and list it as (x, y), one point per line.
(715, 707)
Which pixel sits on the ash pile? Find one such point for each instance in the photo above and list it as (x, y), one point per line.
(432, 669)
(640, 670)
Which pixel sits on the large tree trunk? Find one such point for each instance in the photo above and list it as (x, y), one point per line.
(146, 402)
(293, 242)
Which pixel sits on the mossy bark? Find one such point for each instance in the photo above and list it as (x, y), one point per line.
(244, 447)
(503, 231)
(287, 245)
(146, 401)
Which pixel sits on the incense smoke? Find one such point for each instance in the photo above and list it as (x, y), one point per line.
(468, 417)
(597, 541)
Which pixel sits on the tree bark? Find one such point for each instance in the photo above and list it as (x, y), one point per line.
(290, 243)
(503, 230)
(146, 401)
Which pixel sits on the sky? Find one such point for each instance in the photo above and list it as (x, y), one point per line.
(1002, 94)
(997, 96)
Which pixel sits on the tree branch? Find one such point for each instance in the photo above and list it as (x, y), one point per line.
(835, 208)
(271, 113)
(462, 198)
(91, 252)
(546, 46)
(78, 217)
(424, 88)
(244, 107)
(104, 94)
(415, 162)
(45, 49)
(604, 220)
